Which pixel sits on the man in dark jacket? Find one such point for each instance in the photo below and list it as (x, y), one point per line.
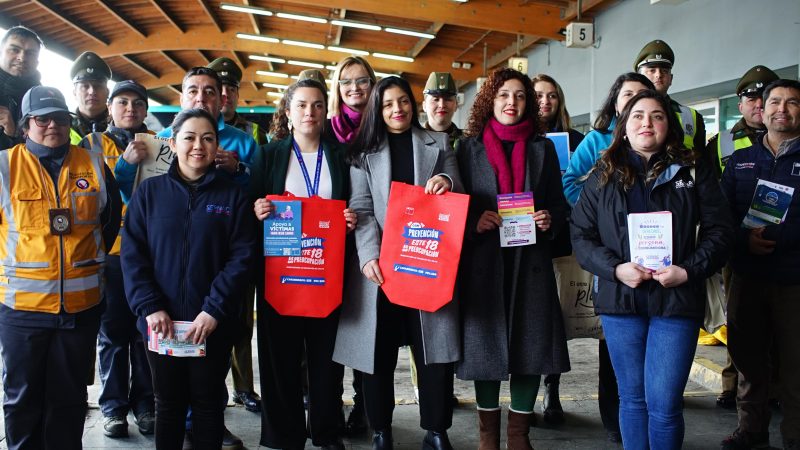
(763, 304)
(20, 49)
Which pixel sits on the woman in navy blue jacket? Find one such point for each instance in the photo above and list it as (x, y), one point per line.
(187, 247)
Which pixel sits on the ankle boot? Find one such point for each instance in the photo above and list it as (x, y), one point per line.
(382, 440)
(517, 432)
(489, 426)
(436, 440)
(551, 406)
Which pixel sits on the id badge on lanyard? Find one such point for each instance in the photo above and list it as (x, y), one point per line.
(312, 190)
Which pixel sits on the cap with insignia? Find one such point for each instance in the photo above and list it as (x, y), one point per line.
(754, 81)
(43, 100)
(228, 71)
(655, 53)
(312, 74)
(89, 66)
(128, 86)
(440, 83)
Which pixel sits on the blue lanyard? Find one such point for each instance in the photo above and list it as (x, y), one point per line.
(312, 190)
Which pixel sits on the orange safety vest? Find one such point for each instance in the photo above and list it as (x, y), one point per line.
(40, 271)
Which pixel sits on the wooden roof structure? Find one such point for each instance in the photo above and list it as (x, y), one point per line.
(156, 41)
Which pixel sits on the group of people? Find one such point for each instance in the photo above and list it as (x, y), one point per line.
(189, 251)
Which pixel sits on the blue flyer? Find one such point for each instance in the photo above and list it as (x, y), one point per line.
(282, 229)
(561, 141)
(769, 206)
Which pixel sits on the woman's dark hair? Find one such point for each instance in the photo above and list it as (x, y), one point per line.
(608, 111)
(194, 113)
(615, 163)
(279, 128)
(562, 120)
(372, 131)
(483, 107)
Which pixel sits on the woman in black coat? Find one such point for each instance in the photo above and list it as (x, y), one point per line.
(651, 316)
(511, 317)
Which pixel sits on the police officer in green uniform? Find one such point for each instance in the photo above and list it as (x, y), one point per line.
(655, 61)
(751, 105)
(440, 104)
(231, 75)
(90, 75)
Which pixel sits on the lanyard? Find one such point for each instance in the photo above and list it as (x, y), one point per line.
(312, 190)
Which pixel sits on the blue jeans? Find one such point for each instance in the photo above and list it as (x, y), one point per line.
(652, 357)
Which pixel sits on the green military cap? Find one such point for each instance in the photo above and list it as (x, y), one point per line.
(754, 81)
(440, 83)
(312, 74)
(656, 53)
(89, 66)
(228, 71)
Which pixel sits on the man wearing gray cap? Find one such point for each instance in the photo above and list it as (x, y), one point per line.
(19, 56)
(90, 75)
(440, 104)
(64, 200)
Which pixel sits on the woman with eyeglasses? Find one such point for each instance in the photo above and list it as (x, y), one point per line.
(393, 146)
(300, 160)
(60, 210)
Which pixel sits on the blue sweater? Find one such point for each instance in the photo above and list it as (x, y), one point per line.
(187, 250)
(582, 161)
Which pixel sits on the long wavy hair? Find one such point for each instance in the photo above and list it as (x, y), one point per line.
(616, 166)
(279, 128)
(561, 121)
(608, 111)
(335, 102)
(483, 107)
(373, 128)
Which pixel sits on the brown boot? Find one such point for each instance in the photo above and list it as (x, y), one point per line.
(489, 426)
(518, 428)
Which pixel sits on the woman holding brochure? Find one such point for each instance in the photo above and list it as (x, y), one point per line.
(300, 160)
(392, 146)
(187, 248)
(651, 316)
(511, 315)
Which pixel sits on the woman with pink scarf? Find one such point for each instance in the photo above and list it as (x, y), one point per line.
(353, 80)
(512, 325)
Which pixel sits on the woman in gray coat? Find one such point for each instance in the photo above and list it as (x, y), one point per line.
(511, 317)
(391, 146)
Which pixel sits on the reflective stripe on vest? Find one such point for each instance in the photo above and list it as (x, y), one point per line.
(687, 117)
(74, 137)
(34, 262)
(726, 145)
(102, 144)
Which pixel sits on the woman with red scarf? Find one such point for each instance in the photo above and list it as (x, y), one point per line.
(511, 317)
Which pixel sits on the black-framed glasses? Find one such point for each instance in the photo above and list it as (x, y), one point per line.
(360, 82)
(59, 119)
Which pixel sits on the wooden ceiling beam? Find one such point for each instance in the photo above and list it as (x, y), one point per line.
(174, 89)
(125, 20)
(507, 16)
(71, 21)
(139, 66)
(423, 42)
(502, 56)
(166, 15)
(203, 57)
(337, 38)
(211, 15)
(174, 61)
(253, 19)
(571, 12)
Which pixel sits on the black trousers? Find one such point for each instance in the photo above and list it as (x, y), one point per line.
(44, 380)
(282, 344)
(197, 382)
(398, 325)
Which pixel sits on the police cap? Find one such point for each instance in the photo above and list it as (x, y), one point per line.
(228, 71)
(655, 53)
(89, 66)
(754, 81)
(440, 83)
(312, 74)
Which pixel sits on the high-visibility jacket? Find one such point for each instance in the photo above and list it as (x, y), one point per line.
(728, 142)
(42, 272)
(687, 117)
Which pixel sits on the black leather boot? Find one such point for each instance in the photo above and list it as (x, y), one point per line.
(436, 441)
(382, 440)
(553, 412)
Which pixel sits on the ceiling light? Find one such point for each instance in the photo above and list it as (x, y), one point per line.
(275, 94)
(410, 33)
(274, 85)
(300, 17)
(384, 74)
(461, 1)
(265, 73)
(303, 44)
(306, 64)
(330, 67)
(455, 65)
(467, 65)
(267, 59)
(363, 26)
(246, 9)
(277, 102)
(352, 51)
(256, 37)
(394, 57)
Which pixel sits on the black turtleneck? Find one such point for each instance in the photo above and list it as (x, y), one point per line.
(401, 149)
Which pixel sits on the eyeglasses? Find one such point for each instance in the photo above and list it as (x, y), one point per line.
(360, 82)
(44, 121)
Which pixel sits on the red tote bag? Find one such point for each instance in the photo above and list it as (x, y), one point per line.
(421, 246)
(310, 285)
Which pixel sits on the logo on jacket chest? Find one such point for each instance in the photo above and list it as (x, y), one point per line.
(218, 210)
(680, 184)
(796, 169)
